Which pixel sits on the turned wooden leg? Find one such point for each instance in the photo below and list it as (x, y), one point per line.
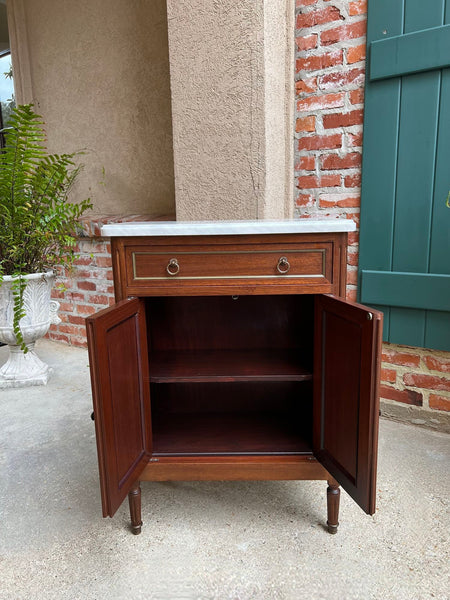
(134, 499)
(333, 494)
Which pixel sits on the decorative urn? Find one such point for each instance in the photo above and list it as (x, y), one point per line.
(26, 368)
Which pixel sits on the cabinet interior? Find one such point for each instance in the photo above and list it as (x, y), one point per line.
(231, 375)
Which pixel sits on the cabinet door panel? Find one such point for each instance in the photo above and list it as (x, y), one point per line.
(119, 369)
(346, 398)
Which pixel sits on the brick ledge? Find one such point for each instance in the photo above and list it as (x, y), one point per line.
(91, 224)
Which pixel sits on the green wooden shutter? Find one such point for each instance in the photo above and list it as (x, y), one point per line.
(404, 260)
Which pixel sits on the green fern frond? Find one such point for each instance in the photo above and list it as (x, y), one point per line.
(37, 222)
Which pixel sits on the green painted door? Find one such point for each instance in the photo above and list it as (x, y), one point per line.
(404, 261)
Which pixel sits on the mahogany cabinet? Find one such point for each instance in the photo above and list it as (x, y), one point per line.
(234, 356)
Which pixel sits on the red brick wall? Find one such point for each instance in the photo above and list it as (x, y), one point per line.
(416, 377)
(330, 40)
(87, 289)
(329, 81)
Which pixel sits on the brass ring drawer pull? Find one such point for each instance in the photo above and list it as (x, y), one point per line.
(283, 265)
(173, 268)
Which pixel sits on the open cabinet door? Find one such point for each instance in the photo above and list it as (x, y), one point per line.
(119, 374)
(347, 353)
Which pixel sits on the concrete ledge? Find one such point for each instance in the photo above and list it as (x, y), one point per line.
(416, 415)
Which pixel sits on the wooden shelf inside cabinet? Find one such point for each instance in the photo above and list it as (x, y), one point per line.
(202, 366)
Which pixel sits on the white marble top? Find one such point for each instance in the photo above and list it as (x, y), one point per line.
(166, 228)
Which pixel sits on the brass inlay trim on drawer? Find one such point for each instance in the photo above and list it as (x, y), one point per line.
(274, 276)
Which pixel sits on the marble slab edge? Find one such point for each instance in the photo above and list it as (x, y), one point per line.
(171, 228)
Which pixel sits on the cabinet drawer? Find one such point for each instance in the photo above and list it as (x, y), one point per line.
(182, 266)
(215, 264)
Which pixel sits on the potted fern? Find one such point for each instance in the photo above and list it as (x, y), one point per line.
(37, 235)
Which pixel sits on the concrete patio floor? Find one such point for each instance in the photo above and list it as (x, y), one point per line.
(230, 540)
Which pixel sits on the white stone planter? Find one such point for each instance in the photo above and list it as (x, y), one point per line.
(21, 369)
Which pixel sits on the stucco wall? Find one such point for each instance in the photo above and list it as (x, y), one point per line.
(232, 104)
(217, 72)
(4, 37)
(278, 201)
(99, 74)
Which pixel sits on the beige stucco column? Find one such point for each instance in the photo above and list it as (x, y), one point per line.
(231, 74)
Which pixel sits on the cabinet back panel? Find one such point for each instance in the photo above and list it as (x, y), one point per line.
(221, 322)
(233, 418)
(293, 397)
